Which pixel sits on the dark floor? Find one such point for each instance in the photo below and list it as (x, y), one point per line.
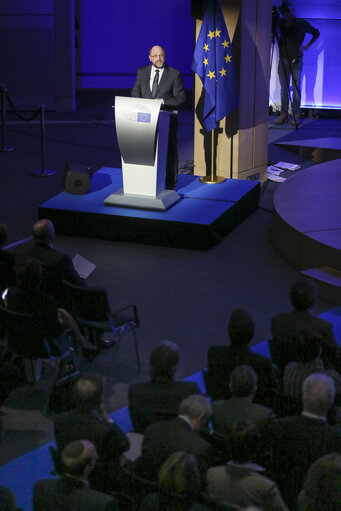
(182, 295)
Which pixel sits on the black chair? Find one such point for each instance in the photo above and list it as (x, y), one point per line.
(91, 309)
(138, 487)
(24, 339)
(57, 463)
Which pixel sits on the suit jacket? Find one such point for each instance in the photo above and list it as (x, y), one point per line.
(225, 413)
(7, 274)
(291, 445)
(109, 439)
(66, 494)
(223, 359)
(151, 402)
(285, 325)
(56, 267)
(244, 485)
(170, 89)
(165, 438)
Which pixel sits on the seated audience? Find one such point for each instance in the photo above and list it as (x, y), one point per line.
(71, 490)
(56, 265)
(308, 361)
(223, 359)
(285, 326)
(28, 298)
(180, 486)
(90, 421)
(243, 387)
(7, 261)
(180, 434)
(159, 399)
(292, 444)
(240, 481)
(322, 487)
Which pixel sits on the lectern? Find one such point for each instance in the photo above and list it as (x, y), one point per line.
(142, 132)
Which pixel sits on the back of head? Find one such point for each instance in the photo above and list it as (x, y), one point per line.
(245, 436)
(243, 381)
(195, 406)
(303, 294)
(318, 394)
(180, 475)
(88, 391)
(322, 487)
(163, 361)
(77, 456)
(307, 346)
(28, 274)
(241, 328)
(3, 234)
(43, 231)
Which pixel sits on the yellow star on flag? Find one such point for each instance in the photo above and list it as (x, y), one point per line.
(217, 32)
(225, 44)
(211, 34)
(206, 47)
(223, 72)
(211, 74)
(205, 62)
(228, 58)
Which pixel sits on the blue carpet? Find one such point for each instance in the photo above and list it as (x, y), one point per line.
(21, 473)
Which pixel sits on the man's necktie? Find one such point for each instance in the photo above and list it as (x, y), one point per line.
(155, 83)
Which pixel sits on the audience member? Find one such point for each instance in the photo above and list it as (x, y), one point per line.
(308, 361)
(71, 491)
(90, 421)
(243, 387)
(159, 399)
(180, 486)
(223, 359)
(56, 265)
(7, 261)
(292, 444)
(242, 482)
(180, 434)
(285, 326)
(322, 487)
(28, 298)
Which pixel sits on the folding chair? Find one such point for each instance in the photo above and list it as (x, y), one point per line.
(23, 337)
(91, 309)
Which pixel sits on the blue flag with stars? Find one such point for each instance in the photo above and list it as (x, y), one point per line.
(213, 63)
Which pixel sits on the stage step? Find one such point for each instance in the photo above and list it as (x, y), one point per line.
(328, 282)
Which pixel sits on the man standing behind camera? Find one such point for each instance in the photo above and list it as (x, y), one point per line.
(292, 32)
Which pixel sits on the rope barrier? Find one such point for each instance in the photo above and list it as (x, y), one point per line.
(21, 117)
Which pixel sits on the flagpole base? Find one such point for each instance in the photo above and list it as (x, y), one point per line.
(212, 180)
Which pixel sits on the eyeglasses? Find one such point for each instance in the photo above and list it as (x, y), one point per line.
(161, 55)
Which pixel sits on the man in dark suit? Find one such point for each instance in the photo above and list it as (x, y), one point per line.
(286, 326)
(180, 434)
(56, 265)
(292, 444)
(243, 387)
(71, 490)
(91, 422)
(160, 398)
(163, 83)
(223, 359)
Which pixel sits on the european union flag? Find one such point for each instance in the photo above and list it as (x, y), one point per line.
(213, 63)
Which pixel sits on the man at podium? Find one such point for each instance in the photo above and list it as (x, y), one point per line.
(163, 83)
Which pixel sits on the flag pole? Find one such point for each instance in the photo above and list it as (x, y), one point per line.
(213, 179)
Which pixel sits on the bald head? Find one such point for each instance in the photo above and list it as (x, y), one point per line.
(79, 457)
(43, 231)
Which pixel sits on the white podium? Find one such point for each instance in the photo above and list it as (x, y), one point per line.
(142, 132)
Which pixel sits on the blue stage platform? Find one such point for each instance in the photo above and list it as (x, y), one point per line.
(203, 216)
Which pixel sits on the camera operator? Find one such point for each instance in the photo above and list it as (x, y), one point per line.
(290, 34)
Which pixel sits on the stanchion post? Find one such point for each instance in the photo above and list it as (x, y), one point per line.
(42, 171)
(4, 149)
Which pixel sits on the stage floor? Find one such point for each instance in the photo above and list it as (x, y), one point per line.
(203, 216)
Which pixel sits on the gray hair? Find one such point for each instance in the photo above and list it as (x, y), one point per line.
(195, 406)
(318, 393)
(243, 381)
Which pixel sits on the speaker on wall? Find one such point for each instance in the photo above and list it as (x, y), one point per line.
(76, 178)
